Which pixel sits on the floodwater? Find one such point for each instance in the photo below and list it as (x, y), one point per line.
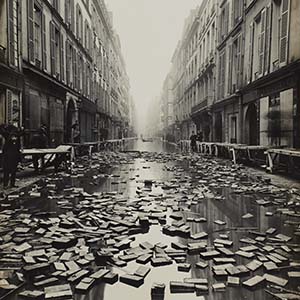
(229, 208)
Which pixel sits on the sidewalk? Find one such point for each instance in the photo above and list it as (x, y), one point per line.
(24, 179)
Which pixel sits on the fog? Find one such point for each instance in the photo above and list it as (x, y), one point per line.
(149, 31)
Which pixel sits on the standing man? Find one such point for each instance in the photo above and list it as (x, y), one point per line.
(193, 140)
(11, 158)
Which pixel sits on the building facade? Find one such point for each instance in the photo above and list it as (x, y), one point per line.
(201, 110)
(11, 77)
(271, 79)
(246, 85)
(72, 69)
(167, 106)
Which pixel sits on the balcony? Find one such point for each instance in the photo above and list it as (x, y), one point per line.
(2, 55)
(200, 106)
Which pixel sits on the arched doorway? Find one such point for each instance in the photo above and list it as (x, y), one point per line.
(71, 118)
(251, 125)
(218, 127)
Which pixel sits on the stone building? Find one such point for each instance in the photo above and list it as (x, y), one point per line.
(72, 67)
(177, 71)
(271, 111)
(184, 74)
(201, 111)
(167, 109)
(246, 87)
(11, 78)
(230, 44)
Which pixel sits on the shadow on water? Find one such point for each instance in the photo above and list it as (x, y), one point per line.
(229, 208)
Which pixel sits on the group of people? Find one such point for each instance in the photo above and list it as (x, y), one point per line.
(194, 138)
(11, 151)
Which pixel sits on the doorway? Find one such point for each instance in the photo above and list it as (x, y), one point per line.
(251, 125)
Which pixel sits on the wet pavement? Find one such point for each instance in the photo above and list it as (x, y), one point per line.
(204, 217)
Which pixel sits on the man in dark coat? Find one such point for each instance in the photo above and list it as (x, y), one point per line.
(193, 140)
(11, 157)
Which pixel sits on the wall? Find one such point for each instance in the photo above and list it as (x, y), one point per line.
(3, 24)
(294, 49)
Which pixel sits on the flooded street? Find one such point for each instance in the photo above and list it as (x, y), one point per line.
(204, 219)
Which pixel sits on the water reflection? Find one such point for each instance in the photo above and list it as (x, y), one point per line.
(221, 203)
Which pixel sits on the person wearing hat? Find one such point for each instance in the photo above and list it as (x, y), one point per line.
(11, 155)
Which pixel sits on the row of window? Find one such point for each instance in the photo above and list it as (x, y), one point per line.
(261, 49)
(266, 49)
(230, 15)
(79, 72)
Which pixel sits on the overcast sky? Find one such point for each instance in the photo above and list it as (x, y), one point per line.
(149, 31)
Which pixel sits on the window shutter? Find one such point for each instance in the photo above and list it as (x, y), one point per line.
(44, 42)
(75, 69)
(261, 43)
(52, 48)
(230, 52)
(83, 72)
(223, 73)
(239, 60)
(11, 31)
(233, 13)
(219, 31)
(250, 58)
(85, 34)
(220, 75)
(62, 58)
(268, 39)
(30, 30)
(90, 41)
(226, 18)
(77, 20)
(87, 80)
(79, 66)
(72, 15)
(67, 11)
(283, 46)
(68, 61)
(8, 106)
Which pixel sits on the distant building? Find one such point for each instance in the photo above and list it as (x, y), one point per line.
(201, 110)
(167, 106)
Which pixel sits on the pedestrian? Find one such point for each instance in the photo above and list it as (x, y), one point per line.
(200, 136)
(11, 155)
(193, 140)
(75, 133)
(39, 140)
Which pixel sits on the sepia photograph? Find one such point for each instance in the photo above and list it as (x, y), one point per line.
(150, 149)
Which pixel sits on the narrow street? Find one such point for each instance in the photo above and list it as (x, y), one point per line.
(200, 226)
